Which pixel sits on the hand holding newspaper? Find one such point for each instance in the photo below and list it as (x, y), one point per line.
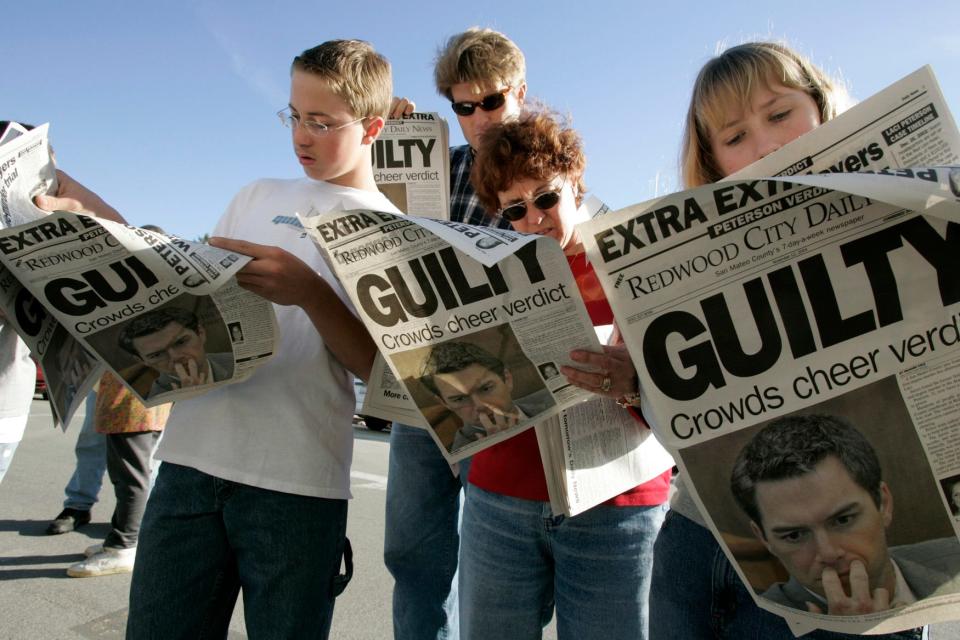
(164, 314)
(797, 343)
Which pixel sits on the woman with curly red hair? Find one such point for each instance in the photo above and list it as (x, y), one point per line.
(518, 560)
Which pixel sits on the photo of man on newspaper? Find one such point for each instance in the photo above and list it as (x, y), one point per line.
(833, 508)
(175, 346)
(476, 387)
(814, 491)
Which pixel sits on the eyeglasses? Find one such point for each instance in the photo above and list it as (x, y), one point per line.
(543, 201)
(491, 102)
(314, 128)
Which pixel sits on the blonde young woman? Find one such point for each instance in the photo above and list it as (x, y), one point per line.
(746, 103)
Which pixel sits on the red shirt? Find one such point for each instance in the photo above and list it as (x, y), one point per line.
(514, 468)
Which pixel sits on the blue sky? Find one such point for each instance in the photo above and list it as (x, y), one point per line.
(166, 109)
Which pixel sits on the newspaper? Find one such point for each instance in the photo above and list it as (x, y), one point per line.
(411, 164)
(387, 397)
(595, 450)
(164, 314)
(26, 170)
(68, 368)
(424, 293)
(425, 287)
(828, 294)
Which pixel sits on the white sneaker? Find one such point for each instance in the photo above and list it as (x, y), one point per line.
(93, 549)
(108, 560)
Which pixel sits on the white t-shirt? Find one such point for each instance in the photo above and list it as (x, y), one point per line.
(287, 427)
(18, 376)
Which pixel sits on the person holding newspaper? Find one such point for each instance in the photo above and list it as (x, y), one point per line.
(519, 561)
(482, 73)
(253, 489)
(746, 103)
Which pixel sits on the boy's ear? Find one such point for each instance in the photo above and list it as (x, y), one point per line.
(373, 125)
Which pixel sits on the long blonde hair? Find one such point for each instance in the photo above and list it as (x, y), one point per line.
(730, 78)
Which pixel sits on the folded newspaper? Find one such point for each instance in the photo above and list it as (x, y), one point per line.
(797, 344)
(411, 164)
(164, 314)
(473, 324)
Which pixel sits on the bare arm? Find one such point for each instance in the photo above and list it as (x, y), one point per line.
(73, 196)
(284, 279)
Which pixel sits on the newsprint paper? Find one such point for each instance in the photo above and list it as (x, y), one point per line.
(421, 298)
(411, 164)
(164, 314)
(434, 291)
(766, 314)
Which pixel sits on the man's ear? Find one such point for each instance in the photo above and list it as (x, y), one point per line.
(508, 379)
(372, 127)
(886, 504)
(521, 93)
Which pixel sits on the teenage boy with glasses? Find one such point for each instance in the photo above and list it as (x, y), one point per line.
(253, 489)
(482, 73)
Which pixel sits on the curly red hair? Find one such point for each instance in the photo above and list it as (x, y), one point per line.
(536, 145)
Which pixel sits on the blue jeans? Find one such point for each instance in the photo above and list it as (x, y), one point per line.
(91, 452)
(697, 595)
(203, 539)
(421, 538)
(518, 560)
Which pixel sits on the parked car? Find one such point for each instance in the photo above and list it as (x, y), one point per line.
(41, 388)
(373, 423)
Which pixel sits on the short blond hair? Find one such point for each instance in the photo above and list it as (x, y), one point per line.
(730, 78)
(355, 73)
(481, 56)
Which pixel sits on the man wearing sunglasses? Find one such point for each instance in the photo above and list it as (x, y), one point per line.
(482, 73)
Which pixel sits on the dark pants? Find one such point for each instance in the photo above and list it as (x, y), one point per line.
(204, 539)
(128, 463)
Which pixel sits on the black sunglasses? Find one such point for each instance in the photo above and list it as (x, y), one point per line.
(542, 201)
(491, 102)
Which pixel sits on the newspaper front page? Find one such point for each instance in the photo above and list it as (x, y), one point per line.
(430, 305)
(411, 165)
(68, 368)
(759, 308)
(164, 314)
(424, 288)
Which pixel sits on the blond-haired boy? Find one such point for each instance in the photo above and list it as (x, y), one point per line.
(252, 493)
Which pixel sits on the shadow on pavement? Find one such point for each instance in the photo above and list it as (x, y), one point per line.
(15, 567)
(38, 528)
